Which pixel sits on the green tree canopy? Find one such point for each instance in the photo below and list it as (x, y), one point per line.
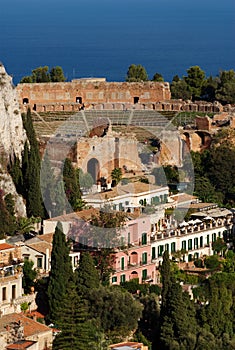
(29, 276)
(158, 77)
(195, 80)
(180, 90)
(114, 310)
(43, 75)
(136, 73)
(225, 92)
(57, 74)
(116, 175)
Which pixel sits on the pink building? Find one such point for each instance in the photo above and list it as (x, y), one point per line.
(135, 261)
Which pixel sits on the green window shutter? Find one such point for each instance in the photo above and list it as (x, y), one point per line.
(144, 258)
(201, 241)
(183, 245)
(144, 238)
(172, 247)
(144, 274)
(123, 278)
(153, 252)
(122, 263)
(190, 244)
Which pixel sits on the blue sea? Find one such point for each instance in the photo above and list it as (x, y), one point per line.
(102, 38)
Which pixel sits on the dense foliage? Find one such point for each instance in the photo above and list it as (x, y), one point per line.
(43, 75)
(196, 86)
(213, 169)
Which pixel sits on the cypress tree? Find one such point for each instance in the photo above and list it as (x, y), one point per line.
(87, 275)
(72, 317)
(71, 185)
(60, 274)
(31, 165)
(47, 184)
(166, 283)
(4, 217)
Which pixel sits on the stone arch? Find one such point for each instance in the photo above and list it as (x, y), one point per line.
(93, 168)
(25, 101)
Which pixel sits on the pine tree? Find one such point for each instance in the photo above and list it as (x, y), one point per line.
(60, 274)
(87, 275)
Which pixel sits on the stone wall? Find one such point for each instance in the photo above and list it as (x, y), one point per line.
(69, 95)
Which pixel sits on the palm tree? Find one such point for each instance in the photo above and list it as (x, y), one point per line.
(116, 175)
(25, 225)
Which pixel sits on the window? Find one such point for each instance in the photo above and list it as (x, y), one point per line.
(195, 243)
(114, 279)
(160, 250)
(126, 202)
(144, 274)
(144, 238)
(129, 238)
(213, 237)
(173, 247)
(208, 239)
(4, 293)
(153, 252)
(13, 291)
(144, 258)
(167, 247)
(122, 263)
(190, 257)
(190, 244)
(123, 278)
(183, 246)
(39, 263)
(201, 241)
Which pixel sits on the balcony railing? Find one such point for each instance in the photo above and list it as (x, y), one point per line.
(134, 266)
(187, 231)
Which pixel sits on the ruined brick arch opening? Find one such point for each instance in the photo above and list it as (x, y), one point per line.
(136, 99)
(25, 101)
(79, 99)
(93, 168)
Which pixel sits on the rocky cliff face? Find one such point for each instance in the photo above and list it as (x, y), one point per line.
(12, 133)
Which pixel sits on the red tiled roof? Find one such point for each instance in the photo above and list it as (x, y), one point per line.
(22, 344)
(31, 327)
(4, 246)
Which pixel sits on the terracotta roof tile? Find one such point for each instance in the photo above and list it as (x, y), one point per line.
(41, 247)
(47, 237)
(4, 246)
(31, 327)
(20, 345)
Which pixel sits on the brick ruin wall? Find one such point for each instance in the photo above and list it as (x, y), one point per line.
(72, 95)
(101, 95)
